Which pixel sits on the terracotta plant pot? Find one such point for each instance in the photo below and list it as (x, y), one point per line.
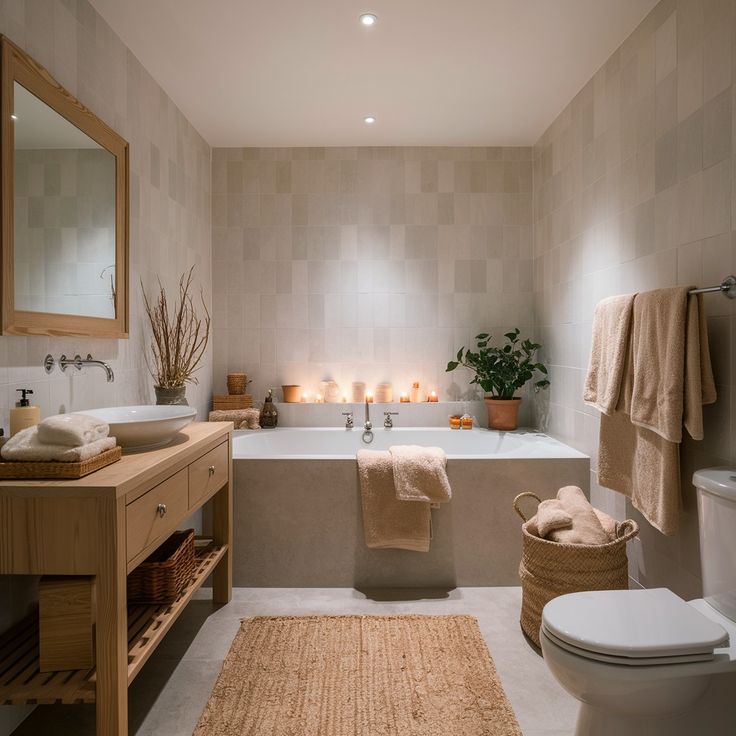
(170, 396)
(503, 414)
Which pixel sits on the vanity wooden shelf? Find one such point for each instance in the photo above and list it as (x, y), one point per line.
(103, 526)
(22, 684)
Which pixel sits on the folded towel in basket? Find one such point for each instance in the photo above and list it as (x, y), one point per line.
(72, 430)
(27, 447)
(419, 474)
(551, 515)
(586, 527)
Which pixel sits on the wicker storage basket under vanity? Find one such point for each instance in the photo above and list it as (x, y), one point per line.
(548, 569)
(165, 573)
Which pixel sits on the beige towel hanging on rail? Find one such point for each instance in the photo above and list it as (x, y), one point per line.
(667, 380)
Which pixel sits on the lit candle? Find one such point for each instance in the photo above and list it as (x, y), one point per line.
(369, 398)
(432, 397)
(344, 398)
(305, 397)
(318, 399)
(404, 398)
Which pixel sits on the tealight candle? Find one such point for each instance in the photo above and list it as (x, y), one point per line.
(318, 399)
(369, 398)
(305, 398)
(344, 398)
(433, 397)
(404, 398)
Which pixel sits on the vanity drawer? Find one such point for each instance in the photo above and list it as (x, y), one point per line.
(208, 473)
(156, 514)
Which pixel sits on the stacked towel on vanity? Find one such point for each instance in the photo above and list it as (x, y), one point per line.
(62, 438)
(666, 380)
(398, 489)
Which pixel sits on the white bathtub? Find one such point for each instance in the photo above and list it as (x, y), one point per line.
(329, 443)
(298, 518)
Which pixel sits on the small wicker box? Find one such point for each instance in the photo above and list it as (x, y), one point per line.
(164, 574)
(227, 402)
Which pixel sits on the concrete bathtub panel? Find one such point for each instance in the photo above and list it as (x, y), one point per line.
(298, 523)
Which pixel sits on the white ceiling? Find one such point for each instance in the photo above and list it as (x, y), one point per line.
(433, 72)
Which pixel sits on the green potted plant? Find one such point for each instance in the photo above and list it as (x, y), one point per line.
(500, 371)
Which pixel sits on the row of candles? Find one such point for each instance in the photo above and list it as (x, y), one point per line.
(432, 397)
(383, 394)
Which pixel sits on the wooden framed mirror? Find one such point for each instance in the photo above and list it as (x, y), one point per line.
(64, 192)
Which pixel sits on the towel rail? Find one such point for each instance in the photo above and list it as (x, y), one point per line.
(727, 287)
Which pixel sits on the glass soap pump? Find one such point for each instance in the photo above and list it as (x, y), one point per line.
(269, 413)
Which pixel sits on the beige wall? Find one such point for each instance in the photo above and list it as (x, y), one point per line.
(634, 190)
(366, 264)
(169, 220)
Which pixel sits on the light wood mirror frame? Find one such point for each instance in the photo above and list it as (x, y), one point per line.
(16, 65)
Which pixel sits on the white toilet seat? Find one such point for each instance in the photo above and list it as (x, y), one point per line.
(632, 627)
(627, 661)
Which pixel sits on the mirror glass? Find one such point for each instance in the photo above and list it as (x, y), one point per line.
(64, 244)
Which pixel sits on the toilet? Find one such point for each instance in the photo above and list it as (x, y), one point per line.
(646, 662)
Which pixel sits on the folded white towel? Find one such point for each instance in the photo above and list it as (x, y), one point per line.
(27, 447)
(72, 430)
(419, 474)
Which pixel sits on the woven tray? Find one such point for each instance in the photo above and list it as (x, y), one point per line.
(58, 471)
(164, 574)
(224, 402)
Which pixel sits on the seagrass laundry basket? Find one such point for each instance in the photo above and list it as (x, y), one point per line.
(548, 569)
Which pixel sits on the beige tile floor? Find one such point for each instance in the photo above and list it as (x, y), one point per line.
(172, 689)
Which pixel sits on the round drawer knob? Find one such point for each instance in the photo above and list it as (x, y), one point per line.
(212, 469)
(161, 509)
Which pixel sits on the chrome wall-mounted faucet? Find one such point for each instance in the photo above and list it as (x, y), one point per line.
(78, 362)
(367, 426)
(388, 422)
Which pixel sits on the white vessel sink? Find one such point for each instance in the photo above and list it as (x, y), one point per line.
(144, 427)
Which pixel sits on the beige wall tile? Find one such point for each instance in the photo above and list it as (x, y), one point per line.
(665, 215)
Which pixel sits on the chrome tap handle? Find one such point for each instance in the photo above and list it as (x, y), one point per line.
(388, 422)
(367, 425)
(348, 419)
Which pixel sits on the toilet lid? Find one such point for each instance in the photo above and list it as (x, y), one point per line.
(632, 624)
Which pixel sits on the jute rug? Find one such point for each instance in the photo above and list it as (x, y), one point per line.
(358, 676)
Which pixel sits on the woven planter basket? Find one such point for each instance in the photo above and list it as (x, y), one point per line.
(164, 574)
(548, 569)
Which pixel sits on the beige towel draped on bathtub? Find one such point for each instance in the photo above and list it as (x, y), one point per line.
(388, 522)
(419, 474)
(667, 380)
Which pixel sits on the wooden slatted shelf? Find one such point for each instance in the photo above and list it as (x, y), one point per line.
(22, 684)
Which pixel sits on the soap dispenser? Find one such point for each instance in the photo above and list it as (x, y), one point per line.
(269, 413)
(24, 415)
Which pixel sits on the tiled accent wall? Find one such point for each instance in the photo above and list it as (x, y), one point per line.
(65, 231)
(170, 225)
(366, 264)
(634, 190)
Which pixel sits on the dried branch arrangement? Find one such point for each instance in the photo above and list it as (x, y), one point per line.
(179, 336)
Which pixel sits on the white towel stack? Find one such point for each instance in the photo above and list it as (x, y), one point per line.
(62, 438)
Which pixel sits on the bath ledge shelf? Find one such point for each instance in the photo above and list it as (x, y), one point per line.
(23, 684)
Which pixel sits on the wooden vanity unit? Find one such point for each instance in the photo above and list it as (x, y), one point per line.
(102, 526)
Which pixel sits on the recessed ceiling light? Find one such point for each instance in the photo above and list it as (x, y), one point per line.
(368, 19)
(369, 120)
